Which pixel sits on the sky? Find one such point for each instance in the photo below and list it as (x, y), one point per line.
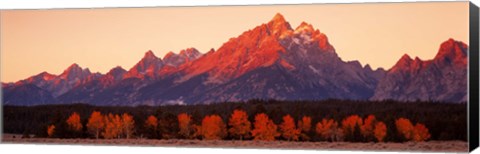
(378, 34)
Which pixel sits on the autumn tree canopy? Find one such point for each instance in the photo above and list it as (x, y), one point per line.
(117, 126)
(264, 128)
(417, 133)
(288, 128)
(240, 127)
(380, 131)
(213, 128)
(151, 126)
(305, 124)
(186, 129)
(113, 126)
(151, 122)
(74, 122)
(404, 128)
(351, 127)
(197, 131)
(350, 122)
(50, 130)
(127, 125)
(328, 129)
(96, 124)
(420, 133)
(368, 127)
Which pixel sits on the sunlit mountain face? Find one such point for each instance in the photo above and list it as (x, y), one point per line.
(270, 61)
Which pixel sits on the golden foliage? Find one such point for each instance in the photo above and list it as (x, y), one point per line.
(74, 122)
(185, 126)
(305, 124)
(240, 126)
(96, 124)
(213, 128)
(264, 128)
(368, 125)
(113, 126)
(404, 128)
(328, 129)
(117, 126)
(417, 133)
(197, 131)
(380, 131)
(128, 124)
(288, 128)
(420, 133)
(151, 123)
(51, 130)
(349, 124)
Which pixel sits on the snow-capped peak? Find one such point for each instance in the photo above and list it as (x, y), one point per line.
(304, 27)
(184, 56)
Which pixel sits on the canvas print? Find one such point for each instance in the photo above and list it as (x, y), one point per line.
(373, 76)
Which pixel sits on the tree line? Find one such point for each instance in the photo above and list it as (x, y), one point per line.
(212, 127)
(444, 121)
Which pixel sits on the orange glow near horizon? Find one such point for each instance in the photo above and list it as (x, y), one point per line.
(378, 34)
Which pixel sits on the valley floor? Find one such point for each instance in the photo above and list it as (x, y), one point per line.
(436, 146)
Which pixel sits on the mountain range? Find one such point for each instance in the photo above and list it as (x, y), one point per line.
(270, 61)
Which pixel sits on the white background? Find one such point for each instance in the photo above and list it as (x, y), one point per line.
(81, 149)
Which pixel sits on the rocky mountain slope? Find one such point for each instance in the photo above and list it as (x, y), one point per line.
(270, 61)
(443, 78)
